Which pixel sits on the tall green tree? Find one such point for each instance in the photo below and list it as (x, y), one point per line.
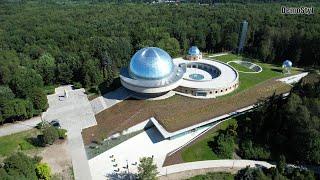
(171, 45)
(24, 80)
(147, 170)
(45, 66)
(38, 99)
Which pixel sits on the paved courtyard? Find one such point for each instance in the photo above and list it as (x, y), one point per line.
(74, 114)
(149, 143)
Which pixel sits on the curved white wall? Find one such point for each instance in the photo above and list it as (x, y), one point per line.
(141, 89)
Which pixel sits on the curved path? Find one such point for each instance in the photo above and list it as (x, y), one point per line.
(227, 163)
(19, 126)
(187, 170)
(251, 67)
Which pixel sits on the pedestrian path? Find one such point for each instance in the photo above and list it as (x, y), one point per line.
(227, 163)
(125, 157)
(19, 126)
(219, 54)
(294, 78)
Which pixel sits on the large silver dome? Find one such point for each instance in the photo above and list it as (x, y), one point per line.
(151, 63)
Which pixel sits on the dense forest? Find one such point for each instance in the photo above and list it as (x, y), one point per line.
(285, 127)
(48, 43)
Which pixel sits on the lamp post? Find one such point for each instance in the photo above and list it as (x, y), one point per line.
(128, 166)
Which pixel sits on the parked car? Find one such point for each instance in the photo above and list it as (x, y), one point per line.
(55, 123)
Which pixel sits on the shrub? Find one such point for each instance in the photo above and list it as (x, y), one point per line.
(147, 169)
(24, 145)
(20, 166)
(42, 125)
(248, 150)
(43, 171)
(62, 133)
(50, 135)
(224, 145)
(37, 159)
(214, 175)
(77, 85)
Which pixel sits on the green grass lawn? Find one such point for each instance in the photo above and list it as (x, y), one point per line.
(214, 175)
(240, 67)
(200, 150)
(17, 142)
(248, 80)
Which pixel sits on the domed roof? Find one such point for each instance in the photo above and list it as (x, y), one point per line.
(150, 63)
(287, 63)
(194, 51)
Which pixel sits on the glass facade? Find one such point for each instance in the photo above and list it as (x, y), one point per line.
(151, 63)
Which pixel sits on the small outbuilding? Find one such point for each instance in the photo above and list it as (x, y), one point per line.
(194, 54)
(287, 66)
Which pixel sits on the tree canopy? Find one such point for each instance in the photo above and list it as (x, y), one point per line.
(56, 42)
(289, 127)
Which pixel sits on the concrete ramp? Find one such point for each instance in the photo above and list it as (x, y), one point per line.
(109, 99)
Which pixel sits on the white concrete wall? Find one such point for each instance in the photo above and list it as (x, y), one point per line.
(150, 90)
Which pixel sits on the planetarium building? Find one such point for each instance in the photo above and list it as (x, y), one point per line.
(153, 73)
(194, 54)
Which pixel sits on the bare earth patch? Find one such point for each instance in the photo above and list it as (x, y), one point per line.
(176, 112)
(57, 156)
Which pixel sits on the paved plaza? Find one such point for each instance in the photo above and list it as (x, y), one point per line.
(149, 143)
(74, 113)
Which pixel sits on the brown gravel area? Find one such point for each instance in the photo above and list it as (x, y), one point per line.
(176, 112)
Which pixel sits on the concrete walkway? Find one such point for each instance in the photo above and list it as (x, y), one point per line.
(19, 126)
(74, 114)
(109, 99)
(149, 143)
(219, 54)
(79, 157)
(294, 78)
(228, 163)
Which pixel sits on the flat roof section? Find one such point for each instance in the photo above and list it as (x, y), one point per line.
(227, 77)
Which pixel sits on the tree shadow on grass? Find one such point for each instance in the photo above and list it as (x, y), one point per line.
(36, 141)
(276, 70)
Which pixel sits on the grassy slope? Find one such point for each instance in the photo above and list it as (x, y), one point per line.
(200, 150)
(178, 112)
(248, 80)
(16, 142)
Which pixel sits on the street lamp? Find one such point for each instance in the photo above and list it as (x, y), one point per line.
(128, 166)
